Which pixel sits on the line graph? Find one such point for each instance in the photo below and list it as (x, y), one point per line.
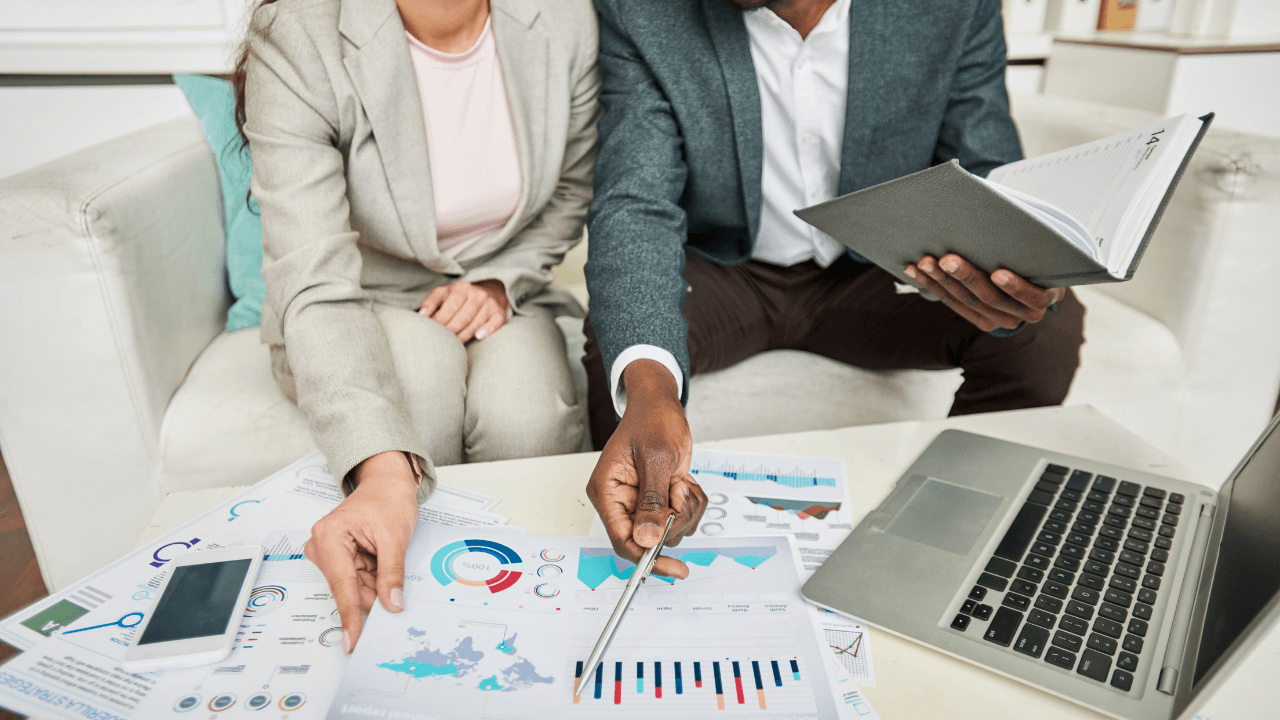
(847, 646)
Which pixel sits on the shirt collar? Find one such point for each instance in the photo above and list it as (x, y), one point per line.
(835, 18)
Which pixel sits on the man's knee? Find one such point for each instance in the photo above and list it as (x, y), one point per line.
(1033, 368)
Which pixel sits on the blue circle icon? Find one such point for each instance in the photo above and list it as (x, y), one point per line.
(259, 701)
(187, 703)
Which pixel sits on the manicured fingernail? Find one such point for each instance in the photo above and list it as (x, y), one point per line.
(950, 265)
(1002, 279)
(648, 533)
(926, 265)
(346, 643)
(911, 273)
(397, 598)
(482, 333)
(422, 311)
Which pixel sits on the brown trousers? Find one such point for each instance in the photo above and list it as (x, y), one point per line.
(851, 312)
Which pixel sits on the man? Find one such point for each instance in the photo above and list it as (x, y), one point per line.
(721, 118)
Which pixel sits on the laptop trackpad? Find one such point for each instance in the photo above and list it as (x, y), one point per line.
(945, 516)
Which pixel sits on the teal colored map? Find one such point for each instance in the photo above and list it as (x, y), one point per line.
(595, 565)
(504, 670)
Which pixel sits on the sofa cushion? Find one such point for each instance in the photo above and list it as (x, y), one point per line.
(229, 423)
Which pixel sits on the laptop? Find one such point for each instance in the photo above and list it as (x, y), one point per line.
(1121, 590)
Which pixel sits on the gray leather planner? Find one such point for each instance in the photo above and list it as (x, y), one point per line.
(946, 209)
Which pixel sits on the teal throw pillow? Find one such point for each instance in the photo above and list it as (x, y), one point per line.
(214, 103)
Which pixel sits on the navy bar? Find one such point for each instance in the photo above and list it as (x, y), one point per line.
(777, 675)
(639, 671)
(679, 680)
(599, 679)
(755, 666)
(657, 674)
(715, 668)
(617, 672)
(697, 672)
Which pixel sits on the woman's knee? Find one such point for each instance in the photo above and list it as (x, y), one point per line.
(521, 401)
(531, 424)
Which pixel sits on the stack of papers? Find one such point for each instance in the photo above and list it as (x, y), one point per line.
(288, 656)
(736, 634)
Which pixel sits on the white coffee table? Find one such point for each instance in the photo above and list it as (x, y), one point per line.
(545, 496)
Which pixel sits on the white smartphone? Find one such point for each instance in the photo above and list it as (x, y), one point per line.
(197, 612)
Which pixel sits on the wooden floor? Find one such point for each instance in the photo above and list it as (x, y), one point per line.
(20, 582)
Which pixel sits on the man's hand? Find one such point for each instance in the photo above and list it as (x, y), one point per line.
(468, 310)
(643, 473)
(1002, 300)
(360, 546)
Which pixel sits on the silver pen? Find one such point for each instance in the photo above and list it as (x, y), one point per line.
(643, 568)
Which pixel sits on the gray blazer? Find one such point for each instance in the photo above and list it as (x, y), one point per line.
(681, 144)
(335, 125)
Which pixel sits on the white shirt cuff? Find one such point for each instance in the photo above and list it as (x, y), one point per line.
(641, 352)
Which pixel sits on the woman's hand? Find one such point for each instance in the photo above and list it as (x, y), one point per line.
(360, 546)
(469, 310)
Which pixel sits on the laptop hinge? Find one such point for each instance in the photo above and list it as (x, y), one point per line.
(1168, 682)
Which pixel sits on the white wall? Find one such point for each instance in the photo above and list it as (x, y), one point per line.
(40, 124)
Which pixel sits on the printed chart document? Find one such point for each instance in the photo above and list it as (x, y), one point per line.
(288, 654)
(308, 478)
(499, 625)
(801, 497)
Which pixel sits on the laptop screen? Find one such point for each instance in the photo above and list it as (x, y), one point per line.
(1247, 574)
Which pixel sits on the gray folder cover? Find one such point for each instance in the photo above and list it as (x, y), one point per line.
(946, 209)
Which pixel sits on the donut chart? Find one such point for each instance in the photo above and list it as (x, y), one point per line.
(266, 599)
(546, 590)
(442, 564)
(331, 637)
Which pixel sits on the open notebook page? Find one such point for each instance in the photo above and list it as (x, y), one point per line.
(1111, 186)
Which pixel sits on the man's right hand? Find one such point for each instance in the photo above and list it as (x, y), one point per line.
(360, 546)
(643, 472)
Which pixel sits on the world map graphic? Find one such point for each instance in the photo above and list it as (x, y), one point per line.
(479, 664)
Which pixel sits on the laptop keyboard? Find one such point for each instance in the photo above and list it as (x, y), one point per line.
(1080, 568)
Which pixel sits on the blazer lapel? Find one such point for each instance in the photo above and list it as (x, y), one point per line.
(733, 48)
(384, 78)
(522, 55)
(867, 55)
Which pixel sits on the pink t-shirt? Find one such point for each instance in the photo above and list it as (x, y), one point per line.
(474, 167)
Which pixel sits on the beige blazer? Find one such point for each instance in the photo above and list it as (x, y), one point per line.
(341, 171)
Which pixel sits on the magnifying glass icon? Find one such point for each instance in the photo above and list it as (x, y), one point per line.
(125, 622)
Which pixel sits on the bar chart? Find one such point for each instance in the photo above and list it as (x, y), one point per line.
(738, 684)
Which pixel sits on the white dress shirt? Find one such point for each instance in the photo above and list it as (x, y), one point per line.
(803, 85)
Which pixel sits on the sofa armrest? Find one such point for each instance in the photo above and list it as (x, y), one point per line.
(112, 281)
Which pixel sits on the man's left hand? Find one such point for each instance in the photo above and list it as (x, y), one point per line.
(1001, 300)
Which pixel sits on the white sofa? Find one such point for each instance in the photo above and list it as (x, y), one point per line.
(118, 384)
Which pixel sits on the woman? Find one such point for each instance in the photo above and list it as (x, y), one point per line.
(420, 165)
